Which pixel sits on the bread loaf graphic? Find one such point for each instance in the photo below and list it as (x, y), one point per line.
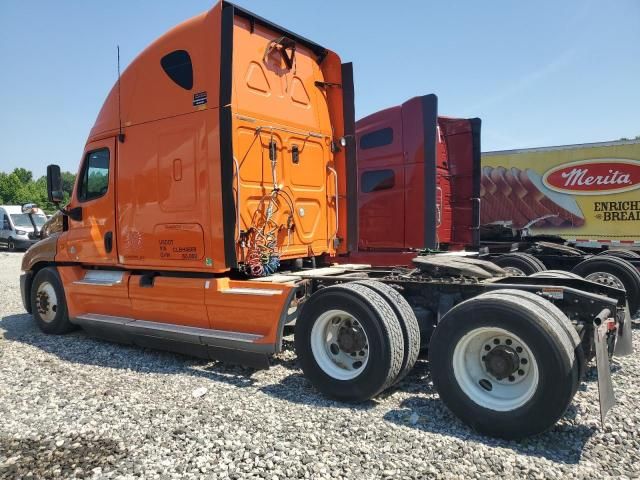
(520, 197)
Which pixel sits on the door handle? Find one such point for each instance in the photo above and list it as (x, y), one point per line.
(108, 242)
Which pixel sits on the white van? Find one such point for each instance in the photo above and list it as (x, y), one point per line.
(17, 230)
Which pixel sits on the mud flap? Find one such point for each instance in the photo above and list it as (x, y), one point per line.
(624, 342)
(605, 385)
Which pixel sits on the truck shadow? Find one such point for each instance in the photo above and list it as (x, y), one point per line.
(295, 388)
(434, 417)
(78, 347)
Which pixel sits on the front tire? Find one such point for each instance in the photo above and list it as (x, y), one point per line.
(477, 354)
(48, 304)
(349, 342)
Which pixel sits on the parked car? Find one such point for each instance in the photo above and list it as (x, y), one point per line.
(18, 230)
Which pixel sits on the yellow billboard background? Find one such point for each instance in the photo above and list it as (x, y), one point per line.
(513, 185)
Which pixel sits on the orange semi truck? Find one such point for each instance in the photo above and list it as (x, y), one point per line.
(215, 188)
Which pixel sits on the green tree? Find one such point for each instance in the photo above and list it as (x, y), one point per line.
(68, 179)
(10, 185)
(24, 175)
(19, 187)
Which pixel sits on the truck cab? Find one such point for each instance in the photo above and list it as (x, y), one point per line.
(215, 160)
(418, 185)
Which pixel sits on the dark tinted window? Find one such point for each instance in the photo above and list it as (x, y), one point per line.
(95, 175)
(177, 65)
(377, 180)
(377, 138)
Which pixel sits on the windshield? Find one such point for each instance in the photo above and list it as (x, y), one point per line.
(22, 220)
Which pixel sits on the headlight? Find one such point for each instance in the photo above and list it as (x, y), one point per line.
(20, 232)
(343, 141)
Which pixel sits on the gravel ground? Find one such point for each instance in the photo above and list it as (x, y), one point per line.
(74, 407)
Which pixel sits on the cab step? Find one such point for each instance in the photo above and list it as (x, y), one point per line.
(236, 347)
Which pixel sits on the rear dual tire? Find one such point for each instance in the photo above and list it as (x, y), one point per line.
(355, 340)
(349, 342)
(476, 356)
(620, 253)
(519, 264)
(615, 272)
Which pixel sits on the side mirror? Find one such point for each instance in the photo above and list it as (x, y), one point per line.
(30, 208)
(54, 184)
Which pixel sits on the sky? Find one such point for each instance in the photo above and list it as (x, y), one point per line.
(537, 73)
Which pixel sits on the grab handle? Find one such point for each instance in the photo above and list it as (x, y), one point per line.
(335, 174)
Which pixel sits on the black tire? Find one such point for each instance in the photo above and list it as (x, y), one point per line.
(580, 364)
(549, 345)
(382, 329)
(408, 323)
(520, 262)
(556, 274)
(625, 272)
(620, 253)
(59, 324)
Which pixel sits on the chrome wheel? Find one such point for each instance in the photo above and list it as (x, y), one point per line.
(605, 278)
(339, 345)
(46, 302)
(514, 272)
(495, 369)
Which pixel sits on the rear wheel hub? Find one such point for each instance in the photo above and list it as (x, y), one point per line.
(351, 339)
(501, 362)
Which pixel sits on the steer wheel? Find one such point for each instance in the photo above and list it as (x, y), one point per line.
(43, 303)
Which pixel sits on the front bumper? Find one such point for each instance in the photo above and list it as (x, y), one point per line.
(24, 243)
(25, 290)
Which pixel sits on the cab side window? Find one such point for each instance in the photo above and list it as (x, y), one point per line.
(376, 180)
(5, 223)
(377, 138)
(95, 175)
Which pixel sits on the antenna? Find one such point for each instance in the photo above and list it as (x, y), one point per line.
(120, 134)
